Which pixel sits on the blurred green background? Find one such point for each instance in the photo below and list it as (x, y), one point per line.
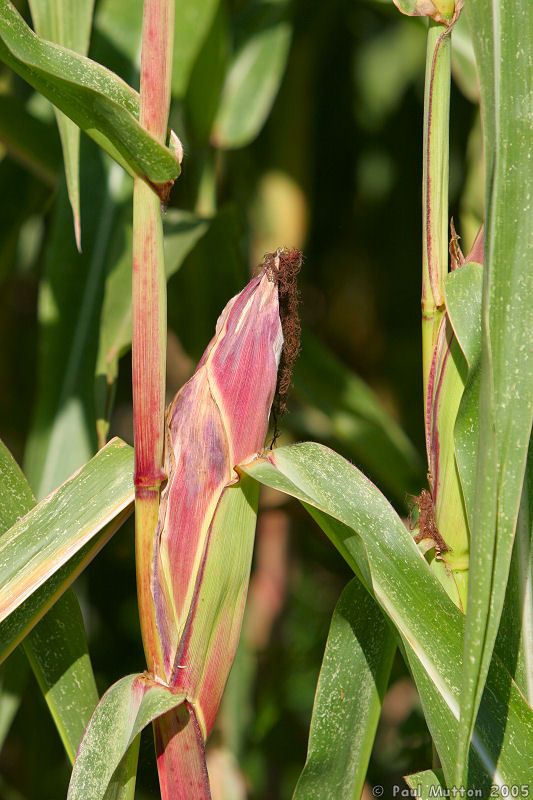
(302, 126)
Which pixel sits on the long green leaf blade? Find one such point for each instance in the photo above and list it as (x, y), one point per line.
(429, 783)
(57, 647)
(352, 682)
(182, 231)
(123, 712)
(68, 23)
(15, 492)
(63, 433)
(375, 543)
(93, 97)
(503, 53)
(254, 75)
(193, 21)
(36, 546)
(515, 637)
(21, 622)
(57, 651)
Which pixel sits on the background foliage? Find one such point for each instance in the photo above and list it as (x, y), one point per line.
(302, 127)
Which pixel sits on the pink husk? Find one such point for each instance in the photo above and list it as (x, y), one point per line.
(219, 418)
(180, 751)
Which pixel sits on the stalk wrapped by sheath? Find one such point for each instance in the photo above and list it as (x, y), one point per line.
(203, 547)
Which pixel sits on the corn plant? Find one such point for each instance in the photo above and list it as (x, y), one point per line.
(448, 592)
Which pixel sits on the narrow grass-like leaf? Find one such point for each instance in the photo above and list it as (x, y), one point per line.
(15, 492)
(427, 784)
(117, 37)
(502, 45)
(92, 96)
(463, 305)
(68, 23)
(122, 714)
(352, 682)
(464, 68)
(63, 432)
(193, 21)
(20, 622)
(463, 289)
(447, 378)
(57, 646)
(36, 546)
(515, 637)
(207, 78)
(181, 231)
(373, 540)
(254, 75)
(17, 499)
(57, 651)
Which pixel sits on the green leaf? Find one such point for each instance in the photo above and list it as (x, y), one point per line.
(515, 636)
(463, 60)
(193, 21)
(36, 546)
(68, 23)
(502, 43)
(56, 648)
(15, 492)
(427, 784)
(57, 651)
(254, 75)
(101, 104)
(182, 230)
(352, 682)
(344, 412)
(375, 543)
(463, 305)
(463, 289)
(25, 617)
(207, 78)
(28, 139)
(63, 433)
(123, 712)
(117, 37)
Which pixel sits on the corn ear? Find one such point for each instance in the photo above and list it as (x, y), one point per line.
(203, 548)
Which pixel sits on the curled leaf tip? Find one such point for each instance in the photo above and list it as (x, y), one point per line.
(174, 143)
